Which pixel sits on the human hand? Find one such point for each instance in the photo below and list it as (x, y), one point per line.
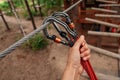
(78, 51)
(73, 68)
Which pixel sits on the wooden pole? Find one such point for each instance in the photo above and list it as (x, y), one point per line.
(103, 76)
(39, 7)
(17, 17)
(119, 62)
(104, 34)
(1, 14)
(118, 59)
(34, 5)
(30, 14)
(102, 22)
(104, 52)
(67, 3)
(104, 10)
(105, 1)
(107, 15)
(109, 5)
(9, 3)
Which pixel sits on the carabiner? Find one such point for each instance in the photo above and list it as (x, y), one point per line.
(67, 17)
(63, 34)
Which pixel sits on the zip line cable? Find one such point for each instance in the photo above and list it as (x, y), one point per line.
(18, 43)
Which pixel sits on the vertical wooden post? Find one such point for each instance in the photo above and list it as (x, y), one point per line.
(9, 5)
(4, 20)
(75, 13)
(17, 16)
(34, 5)
(119, 59)
(67, 3)
(39, 7)
(30, 14)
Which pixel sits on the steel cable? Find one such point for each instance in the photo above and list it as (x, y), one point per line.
(18, 43)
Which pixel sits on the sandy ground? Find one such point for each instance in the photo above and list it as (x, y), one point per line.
(46, 64)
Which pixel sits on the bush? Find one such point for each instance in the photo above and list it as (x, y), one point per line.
(4, 5)
(36, 42)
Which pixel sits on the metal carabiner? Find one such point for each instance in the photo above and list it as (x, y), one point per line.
(68, 21)
(66, 16)
(71, 39)
(63, 34)
(86, 64)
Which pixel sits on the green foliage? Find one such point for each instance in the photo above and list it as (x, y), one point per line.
(4, 5)
(36, 42)
(49, 6)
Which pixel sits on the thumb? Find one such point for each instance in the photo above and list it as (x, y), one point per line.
(79, 42)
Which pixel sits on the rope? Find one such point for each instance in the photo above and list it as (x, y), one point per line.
(18, 43)
(71, 7)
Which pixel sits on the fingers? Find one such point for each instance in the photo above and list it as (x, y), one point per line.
(85, 52)
(79, 42)
(86, 57)
(84, 47)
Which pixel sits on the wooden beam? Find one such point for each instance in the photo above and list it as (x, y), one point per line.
(105, 1)
(102, 22)
(30, 14)
(107, 15)
(104, 52)
(104, 10)
(109, 5)
(119, 59)
(104, 34)
(4, 20)
(103, 76)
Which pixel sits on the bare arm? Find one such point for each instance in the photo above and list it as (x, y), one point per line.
(73, 68)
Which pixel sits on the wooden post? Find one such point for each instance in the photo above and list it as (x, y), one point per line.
(74, 14)
(105, 52)
(67, 3)
(104, 10)
(34, 5)
(30, 14)
(117, 35)
(107, 15)
(105, 1)
(4, 20)
(39, 7)
(102, 22)
(17, 17)
(9, 3)
(118, 59)
(110, 5)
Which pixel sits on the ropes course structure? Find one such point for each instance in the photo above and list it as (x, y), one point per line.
(17, 17)
(3, 18)
(40, 28)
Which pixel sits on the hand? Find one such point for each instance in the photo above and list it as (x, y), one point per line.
(76, 53)
(73, 67)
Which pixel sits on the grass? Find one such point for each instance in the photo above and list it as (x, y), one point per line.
(36, 42)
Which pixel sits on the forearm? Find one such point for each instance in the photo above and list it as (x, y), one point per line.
(70, 73)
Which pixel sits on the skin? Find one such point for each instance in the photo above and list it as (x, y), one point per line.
(74, 69)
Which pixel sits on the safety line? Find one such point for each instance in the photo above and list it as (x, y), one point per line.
(18, 43)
